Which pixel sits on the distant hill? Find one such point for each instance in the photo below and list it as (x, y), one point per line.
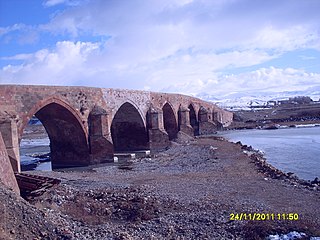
(243, 100)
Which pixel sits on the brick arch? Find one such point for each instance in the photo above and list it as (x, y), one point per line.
(128, 129)
(194, 107)
(40, 104)
(67, 134)
(173, 109)
(141, 113)
(170, 120)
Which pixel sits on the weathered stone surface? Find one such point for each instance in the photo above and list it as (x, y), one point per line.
(86, 125)
(8, 128)
(6, 171)
(100, 140)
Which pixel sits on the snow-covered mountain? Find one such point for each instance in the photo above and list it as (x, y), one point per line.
(243, 100)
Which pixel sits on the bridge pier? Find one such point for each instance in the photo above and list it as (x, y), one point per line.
(9, 131)
(206, 124)
(100, 140)
(158, 138)
(218, 118)
(184, 121)
(6, 173)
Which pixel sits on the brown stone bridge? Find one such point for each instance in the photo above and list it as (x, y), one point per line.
(87, 125)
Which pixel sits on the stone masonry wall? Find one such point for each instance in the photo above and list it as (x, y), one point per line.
(6, 172)
(18, 103)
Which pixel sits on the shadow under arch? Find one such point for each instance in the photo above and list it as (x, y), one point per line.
(128, 130)
(169, 121)
(193, 120)
(67, 135)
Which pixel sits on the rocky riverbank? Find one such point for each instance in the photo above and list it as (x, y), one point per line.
(186, 192)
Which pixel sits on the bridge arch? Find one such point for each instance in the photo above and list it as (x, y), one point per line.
(193, 119)
(128, 129)
(170, 121)
(67, 134)
(142, 113)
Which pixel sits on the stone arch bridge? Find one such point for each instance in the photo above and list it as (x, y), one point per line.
(87, 125)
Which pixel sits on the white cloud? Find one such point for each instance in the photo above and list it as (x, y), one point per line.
(141, 32)
(269, 79)
(51, 3)
(19, 32)
(179, 45)
(307, 58)
(15, 27)
(62, 66)
(204, 24)
(288, 39)
(22, 56)
(263, 80)
(190, 68)
(85, 63)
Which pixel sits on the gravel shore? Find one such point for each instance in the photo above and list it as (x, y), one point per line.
(186, 192)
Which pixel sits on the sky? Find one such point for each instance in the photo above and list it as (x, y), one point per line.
(196, 47)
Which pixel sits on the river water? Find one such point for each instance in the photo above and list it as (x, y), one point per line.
(29, 147)
(294, 150)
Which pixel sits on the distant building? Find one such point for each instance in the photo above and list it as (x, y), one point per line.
(295, 101)
(300, 100)
(284, 102)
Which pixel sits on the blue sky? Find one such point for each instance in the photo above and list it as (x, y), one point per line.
(194, 47)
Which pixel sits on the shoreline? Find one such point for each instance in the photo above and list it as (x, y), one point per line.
(270, 126)
(190, 190)
(265, 148)
(258, 157)
(264, 166)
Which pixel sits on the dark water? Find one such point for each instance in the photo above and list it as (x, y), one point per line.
(294, 150)
(33, 156)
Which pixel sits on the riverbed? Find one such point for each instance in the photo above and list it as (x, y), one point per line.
(295, 150)
(32, 147)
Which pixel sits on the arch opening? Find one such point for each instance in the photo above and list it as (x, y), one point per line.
(128, 131)
(68, 141)
(35, 147)
(193, 120)
(169, 121)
